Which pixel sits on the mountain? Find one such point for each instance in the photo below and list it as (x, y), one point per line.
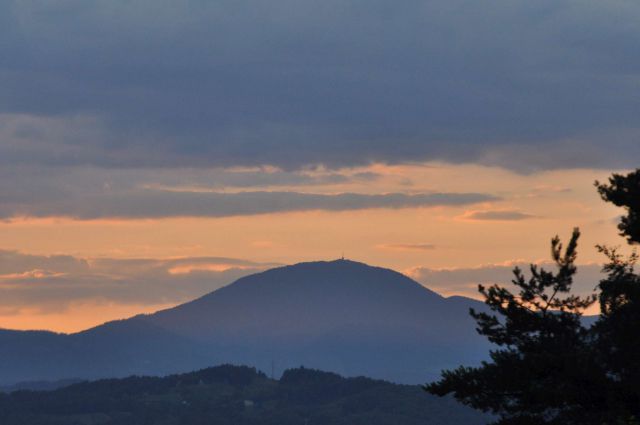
(235, 395)
(341, 316)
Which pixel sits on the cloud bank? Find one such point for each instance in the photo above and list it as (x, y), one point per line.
(290, 83)
(137, 203)
(47, 284)
(465, 280)
(498, 215)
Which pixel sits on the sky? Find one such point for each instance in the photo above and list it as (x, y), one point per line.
(153, 151)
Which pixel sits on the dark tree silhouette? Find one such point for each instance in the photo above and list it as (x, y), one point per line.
(618, 327)
(624, 191)
(543, 370)
(548, 368)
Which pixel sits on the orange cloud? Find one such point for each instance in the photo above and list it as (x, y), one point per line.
(212, 267)
(407, 246)
(497, 215)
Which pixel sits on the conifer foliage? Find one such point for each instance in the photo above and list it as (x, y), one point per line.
(624, 191)
(618, 327)
(548, 367)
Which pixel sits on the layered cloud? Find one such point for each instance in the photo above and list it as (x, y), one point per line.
(88, 193)
(465, 280)
(290, 83)
(407, 246)
(149, 203)
(498, 215)
(46, 284)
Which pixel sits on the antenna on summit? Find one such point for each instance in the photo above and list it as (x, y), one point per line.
(342, 258)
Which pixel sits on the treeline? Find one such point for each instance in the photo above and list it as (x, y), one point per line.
(233, 395)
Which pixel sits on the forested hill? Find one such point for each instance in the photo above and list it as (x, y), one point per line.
(234, 395)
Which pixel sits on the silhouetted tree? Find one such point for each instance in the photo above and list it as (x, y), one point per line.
(543, 371)
(548, 368)
(624, 191)
(618, 327)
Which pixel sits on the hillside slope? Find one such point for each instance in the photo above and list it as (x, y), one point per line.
(342, 316)
(234, 395)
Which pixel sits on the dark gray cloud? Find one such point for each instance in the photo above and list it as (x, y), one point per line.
(408, 246)
(465, 280)
(152, 203)
(498, 215)
(14, 262)
(21, 183)
(53, 283)
(91, 193)
(520, 84)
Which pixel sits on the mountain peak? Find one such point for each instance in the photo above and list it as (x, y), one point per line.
(305, 298)
(337, 274)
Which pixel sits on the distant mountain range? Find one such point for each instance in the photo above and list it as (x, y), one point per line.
(340, 316)
(235, 395)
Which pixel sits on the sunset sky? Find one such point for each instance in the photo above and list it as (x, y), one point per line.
(153, 151)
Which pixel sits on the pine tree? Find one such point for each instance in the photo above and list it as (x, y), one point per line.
(542, 371)
(548, 368)
(624, 191)
(618, 328)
